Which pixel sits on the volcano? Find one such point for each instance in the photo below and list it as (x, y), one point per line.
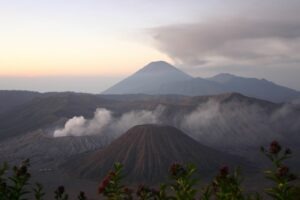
(149, 79)
(147, 151)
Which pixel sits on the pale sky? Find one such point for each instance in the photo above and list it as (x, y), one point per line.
(87, 45)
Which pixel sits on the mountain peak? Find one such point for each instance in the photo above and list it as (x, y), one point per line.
(149, 79)
(225, 75)
(159, 62)
(158, 67)
(222, 77)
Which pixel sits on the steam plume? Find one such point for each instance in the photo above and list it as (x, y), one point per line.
(103, 120)
(212, 123)
(79, 126)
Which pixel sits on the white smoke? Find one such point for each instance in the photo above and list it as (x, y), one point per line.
(134, 118)
(286, 117)
(103, 121)
(201, 117)
(79, 126)
(218, 124)
(73, 126)
(212, 123)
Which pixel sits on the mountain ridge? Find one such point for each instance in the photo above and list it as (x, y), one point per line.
(162, 78)
(259, 88)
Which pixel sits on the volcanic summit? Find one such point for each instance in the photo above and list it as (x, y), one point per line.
(147, 151)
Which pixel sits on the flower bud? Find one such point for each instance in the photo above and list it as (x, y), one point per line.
(275, 148)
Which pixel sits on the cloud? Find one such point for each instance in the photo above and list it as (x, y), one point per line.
(239, 41)
(247, 38)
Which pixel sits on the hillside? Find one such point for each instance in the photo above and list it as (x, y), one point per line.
(147, 151)
(44, 111)
(12, 98)
(45, 151)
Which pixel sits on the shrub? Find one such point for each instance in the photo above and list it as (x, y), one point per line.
(280, 174)
(183, 183)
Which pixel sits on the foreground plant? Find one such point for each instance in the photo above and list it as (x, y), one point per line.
(184, 181)
(280, 174)
(38, 192)
(183, 186)
(60, 193)
(146, 193)
(4, 193)
(13, 187)
(111, 186)
(82, 196)
(227, 186)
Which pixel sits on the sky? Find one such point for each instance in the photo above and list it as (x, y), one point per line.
(88, 45)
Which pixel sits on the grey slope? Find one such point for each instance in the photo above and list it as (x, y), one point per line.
(46, 151)
(192, 87)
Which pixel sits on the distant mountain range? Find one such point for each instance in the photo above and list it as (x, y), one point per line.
(162, 78)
